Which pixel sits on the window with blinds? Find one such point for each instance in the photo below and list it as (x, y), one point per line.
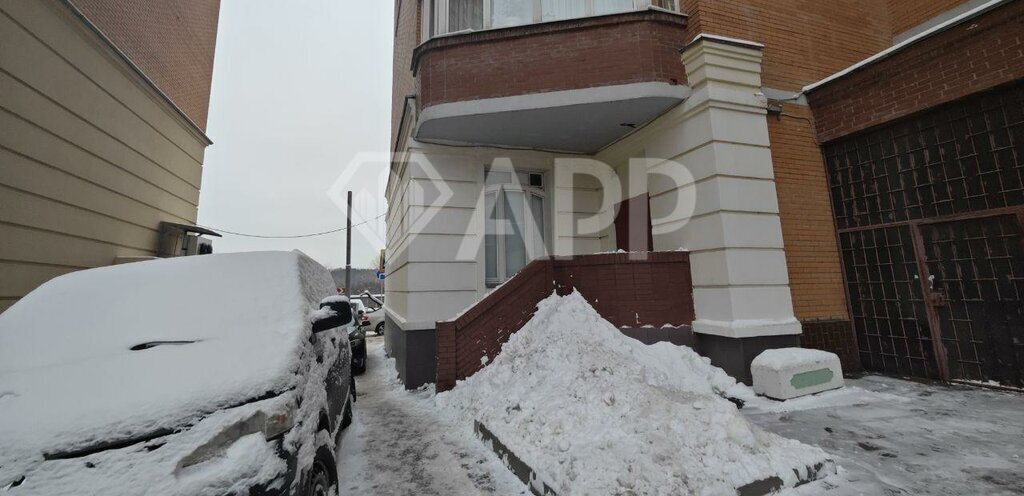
(465, 14)
(452, 16)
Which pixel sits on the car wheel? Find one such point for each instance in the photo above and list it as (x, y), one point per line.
(346, 416)
(379, 329)
(318, 482)
(359, 359)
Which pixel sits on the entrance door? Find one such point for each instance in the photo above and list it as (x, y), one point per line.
(633, 225)
(975, 287)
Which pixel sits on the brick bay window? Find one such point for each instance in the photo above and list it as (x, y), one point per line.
(514, 231)
(454, 16)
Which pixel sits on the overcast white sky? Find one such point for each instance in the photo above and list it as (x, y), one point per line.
(299, 88)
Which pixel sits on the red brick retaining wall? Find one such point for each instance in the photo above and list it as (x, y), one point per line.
(654, 291)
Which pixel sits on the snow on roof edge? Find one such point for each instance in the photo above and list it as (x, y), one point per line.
(723, 39)
(884, 54)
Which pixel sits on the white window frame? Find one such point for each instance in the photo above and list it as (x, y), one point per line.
(440, 22)
(534, 238)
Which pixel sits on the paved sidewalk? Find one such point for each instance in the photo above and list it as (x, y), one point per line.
(924, 439)
(397, 445)
(889, 436)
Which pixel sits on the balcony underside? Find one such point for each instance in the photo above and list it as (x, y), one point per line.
(576, 121)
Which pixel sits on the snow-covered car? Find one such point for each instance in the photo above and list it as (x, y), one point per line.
(209, 375)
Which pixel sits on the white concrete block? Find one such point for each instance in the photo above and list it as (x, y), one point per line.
(787, 373)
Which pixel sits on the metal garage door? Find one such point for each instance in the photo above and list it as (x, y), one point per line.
(930, 211)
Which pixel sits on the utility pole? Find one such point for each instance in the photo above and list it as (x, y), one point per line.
(348, 248)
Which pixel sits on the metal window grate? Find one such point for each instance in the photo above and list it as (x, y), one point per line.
(962, 157)
(978, 265)
(888, 309)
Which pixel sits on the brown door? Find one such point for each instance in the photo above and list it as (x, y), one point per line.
(633, 225)
(975, 287)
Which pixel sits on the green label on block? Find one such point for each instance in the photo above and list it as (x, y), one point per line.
(812, 378)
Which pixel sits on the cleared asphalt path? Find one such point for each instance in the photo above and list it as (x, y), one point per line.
(399, 445)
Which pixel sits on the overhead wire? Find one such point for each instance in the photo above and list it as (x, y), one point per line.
(290, 236)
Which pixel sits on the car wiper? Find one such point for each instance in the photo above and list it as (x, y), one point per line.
(104, 446)
(154, 344)
(166, 431)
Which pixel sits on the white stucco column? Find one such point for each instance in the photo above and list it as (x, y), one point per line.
(741, 284)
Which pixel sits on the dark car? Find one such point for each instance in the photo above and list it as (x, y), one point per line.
(357, 336)
(210, 375)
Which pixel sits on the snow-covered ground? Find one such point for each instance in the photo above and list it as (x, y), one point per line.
(399, 443)
(896, 437)
(888, 436)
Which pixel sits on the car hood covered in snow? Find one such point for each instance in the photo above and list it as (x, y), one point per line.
(115, 353)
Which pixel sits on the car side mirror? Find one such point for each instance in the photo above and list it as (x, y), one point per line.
(333, 313)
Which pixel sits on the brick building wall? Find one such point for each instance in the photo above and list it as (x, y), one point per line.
(974, 56)
(804, 41)
(907, 14)
(815, 273)
(407, 36)
(573, 54)
(172, 41)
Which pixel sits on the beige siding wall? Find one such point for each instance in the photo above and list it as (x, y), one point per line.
(91, 158)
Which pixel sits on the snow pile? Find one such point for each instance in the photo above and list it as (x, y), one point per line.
(596, 412)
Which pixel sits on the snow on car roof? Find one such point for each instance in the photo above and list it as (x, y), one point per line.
(120, 351)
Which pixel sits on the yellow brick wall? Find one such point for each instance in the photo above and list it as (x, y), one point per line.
(808, 230)
(804, 41)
